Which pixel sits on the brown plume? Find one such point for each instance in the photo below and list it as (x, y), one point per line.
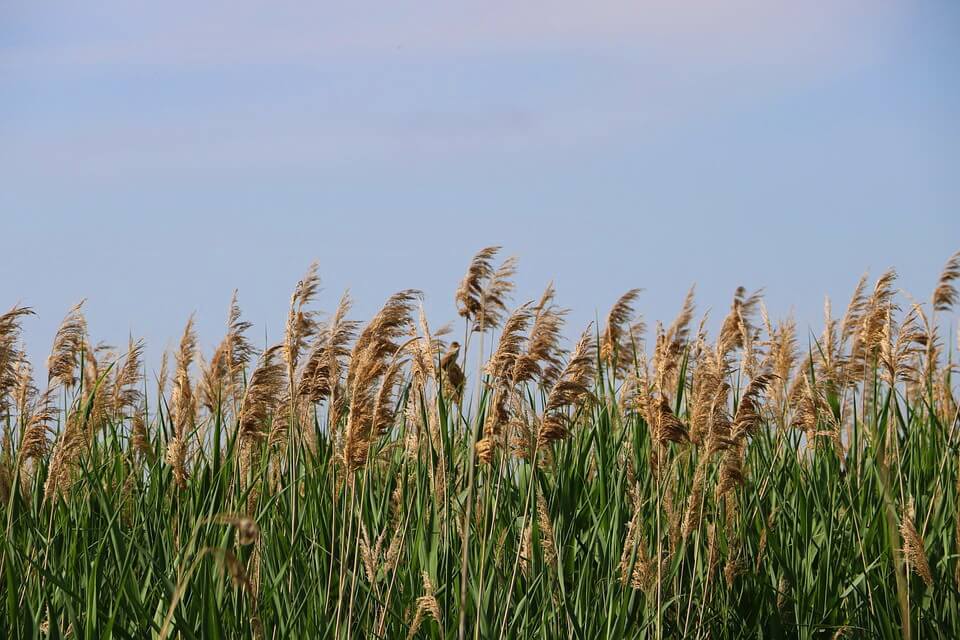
(11, 354)
(670, 345)
(543, 357)
(374, 371)
(223, 377)
(301, 323)
(259, 400)
(64, 360)
(469, 293)
(322, 372)
(913, 547)
(182, 406)
(570, 389)
(615, 344)
(494, 297)
(482, 295)
(945, 295)
(502, 362)
(126, 393)
(35, 444)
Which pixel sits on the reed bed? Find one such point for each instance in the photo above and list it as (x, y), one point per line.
(386, 479)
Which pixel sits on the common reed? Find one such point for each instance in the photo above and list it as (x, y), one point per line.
(739, 476)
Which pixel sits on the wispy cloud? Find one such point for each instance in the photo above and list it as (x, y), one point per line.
(244, 32)
(288, 84)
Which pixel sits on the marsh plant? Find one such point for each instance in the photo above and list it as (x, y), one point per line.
(386, 479)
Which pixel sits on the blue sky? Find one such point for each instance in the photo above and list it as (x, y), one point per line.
(155, 156)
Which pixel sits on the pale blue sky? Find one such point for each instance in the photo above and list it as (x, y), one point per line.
(154, 156)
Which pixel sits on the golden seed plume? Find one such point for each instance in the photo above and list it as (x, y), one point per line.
(668, 427)
(615, 344)
(855, 309)
(67, 449)
(877, 311)
(140, 439)
(482, 295)
(670, 345)
(162, 376)
(222, 378)
(493, 300)
(68, 343)
(423, 354)
(261, 398)
(543, 358)
(545, 524)
(748, 417)
(501, 364)
(11, 354)
(470, 291)
(945, 295)
(183, 403)
(913, 548)
(301, 323)
(570, 389)
(374, 372)
(426, 604)
(182, 406)
(24, 390)
(35, 444)
(323, 370)
(238, 348)
(126, 394)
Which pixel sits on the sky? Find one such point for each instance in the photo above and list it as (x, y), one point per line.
(156, 156)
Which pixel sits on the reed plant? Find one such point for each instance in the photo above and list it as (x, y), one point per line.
(380, 480)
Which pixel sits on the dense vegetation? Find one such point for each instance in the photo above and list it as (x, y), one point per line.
(363, 480)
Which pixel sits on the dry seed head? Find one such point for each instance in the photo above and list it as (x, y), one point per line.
(66, 451)
(139, 438)
(375, 370)
(913, 547)
(426, 604)
(636, 567)
(615, 344)
(543, 358)
(162, 376)
(261, 397)
(367, 555)
(545, 524)
(668, 427)
(301, 323)
(695, 502)
(182, 402)
(176, 457)
(24, 392)
(502, 362)
(67, 346)
(572, 387)
(34, 444)
(126, 393)
(855, 310)
(495, 294)
(470, 291)
(223, 377)
(945, 295)
(670, 344)
(422, 354)
(238, 349)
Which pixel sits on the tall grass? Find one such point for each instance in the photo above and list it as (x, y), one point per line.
(360, 480)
